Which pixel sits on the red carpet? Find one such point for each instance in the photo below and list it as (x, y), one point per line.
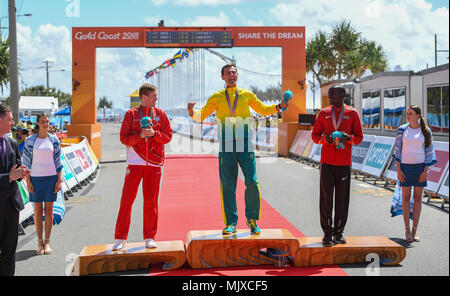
(190, 200)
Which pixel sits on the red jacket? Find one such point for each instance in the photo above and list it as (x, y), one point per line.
(350, 124)
(131, 129)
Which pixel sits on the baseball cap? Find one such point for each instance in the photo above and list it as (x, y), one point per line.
(20, 126)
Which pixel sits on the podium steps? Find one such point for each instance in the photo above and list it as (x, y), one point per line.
(100, 258)
(211, 249)
(313, 253)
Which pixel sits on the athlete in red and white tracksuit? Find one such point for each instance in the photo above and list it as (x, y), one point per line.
(138, 168)
(335, 164)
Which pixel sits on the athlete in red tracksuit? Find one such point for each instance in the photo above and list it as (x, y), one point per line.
(142, 164)
(335, 164)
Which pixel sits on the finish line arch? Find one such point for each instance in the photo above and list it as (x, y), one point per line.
(85, 41)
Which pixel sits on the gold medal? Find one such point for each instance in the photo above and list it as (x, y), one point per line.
(232, 109)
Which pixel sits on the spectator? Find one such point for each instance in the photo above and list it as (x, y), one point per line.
(42, 154)
(31, 129)
(51, 129)
(21, 133)
(414, 155)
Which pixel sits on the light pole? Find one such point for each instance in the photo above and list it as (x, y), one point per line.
(2, 17)
(436, 50)
(13, 69)
(48, 82)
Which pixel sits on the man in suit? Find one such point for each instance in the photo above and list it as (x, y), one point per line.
(11, 169)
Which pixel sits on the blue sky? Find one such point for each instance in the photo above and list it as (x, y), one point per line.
(405, 28)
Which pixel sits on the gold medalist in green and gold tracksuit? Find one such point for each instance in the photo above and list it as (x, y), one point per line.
(234, 134)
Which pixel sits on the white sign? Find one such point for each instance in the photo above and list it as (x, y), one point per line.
(443, 190)
(437, 171)
(80, 173)
(313, 150)
(378, 156)
(295, 143)
(360, 152)
(317, 153)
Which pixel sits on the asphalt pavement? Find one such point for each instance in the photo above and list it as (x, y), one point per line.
(292, 188)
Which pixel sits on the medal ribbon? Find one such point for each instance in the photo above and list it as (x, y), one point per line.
(236, 97)
(150, 111)
(333, 117)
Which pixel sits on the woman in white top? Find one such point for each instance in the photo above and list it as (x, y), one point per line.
(42, 156)
(414, 155)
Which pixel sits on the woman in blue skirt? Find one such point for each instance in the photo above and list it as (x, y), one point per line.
(414, 155)
(42, 155)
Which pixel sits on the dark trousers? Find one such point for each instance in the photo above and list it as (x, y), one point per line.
(9, 234)
(334, 179)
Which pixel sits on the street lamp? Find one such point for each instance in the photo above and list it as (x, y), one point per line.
(48, 82)
(2, 17)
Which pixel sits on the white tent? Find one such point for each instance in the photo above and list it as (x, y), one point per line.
(29, 105)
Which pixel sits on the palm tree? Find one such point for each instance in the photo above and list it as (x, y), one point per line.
(4, 63)
(344, 39)
(368, 55)
(104, 104)
(319, 57)
(377, 61)
(343, 54)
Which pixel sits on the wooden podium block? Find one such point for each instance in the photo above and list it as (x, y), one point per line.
(313, 253)
(209, 248)
(101, 258)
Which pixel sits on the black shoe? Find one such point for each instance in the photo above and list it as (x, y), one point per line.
(327, 240)
(338, 238)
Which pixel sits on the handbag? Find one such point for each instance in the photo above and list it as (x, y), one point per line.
(396, 207)
(23, 191)
(59, 209)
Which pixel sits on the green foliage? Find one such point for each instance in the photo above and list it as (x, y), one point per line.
(4, 63)
(104, 104)
(343, 53)
(64, 99)
(270, 93)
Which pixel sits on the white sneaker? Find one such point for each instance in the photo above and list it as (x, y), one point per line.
(150, 243)
(119, 244)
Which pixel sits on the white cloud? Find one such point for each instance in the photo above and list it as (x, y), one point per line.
(49, 42)
(209, 21)
(245, 21)
(405, 29)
